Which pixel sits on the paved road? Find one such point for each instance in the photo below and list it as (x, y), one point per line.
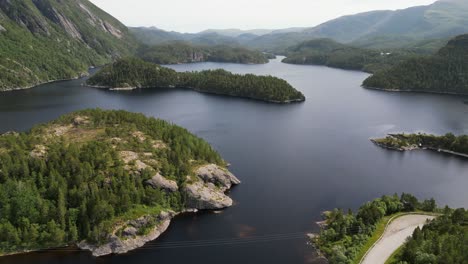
(394, 236)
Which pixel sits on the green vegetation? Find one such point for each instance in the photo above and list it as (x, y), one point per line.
(81, 175)
(132, 72)
(447, 142)
(444, 240)
(48, 40)
(347, 236)
(445, 72)
(182, 52)
(333, 54)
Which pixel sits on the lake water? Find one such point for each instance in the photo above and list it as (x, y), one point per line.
(294, 161)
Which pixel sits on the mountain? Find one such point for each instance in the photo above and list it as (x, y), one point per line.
(234, 32)
(176, 52)
(444, 72)
(47, 40)
(442, 19)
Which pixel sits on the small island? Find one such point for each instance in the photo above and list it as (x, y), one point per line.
(448, 143)
(133, 73)
(177, 52)
(105, 181)
(347, 238)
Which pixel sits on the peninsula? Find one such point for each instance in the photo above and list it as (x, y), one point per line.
(106, 181)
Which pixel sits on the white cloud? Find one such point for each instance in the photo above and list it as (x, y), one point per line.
(197, 15)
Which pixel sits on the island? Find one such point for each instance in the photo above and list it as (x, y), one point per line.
(445, 72)
(105, 181)
(448, 143)
(178, 52)
(351, 238)
(133, 73)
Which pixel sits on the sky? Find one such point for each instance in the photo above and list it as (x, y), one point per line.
(198, 15)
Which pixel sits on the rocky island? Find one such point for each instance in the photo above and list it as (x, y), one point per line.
(133, 73)
(106, 181)
(449, 143)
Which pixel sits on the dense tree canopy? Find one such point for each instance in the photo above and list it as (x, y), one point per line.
(445, 72)
(132, 72)
(346, 233)
(182, 52)
(66, 181)
(333, 54)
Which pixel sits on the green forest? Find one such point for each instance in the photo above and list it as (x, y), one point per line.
(444, 240)
(66, 181)
(330, 53)
(444, 72)
(346, 232)
(133, 72)
(182, 52)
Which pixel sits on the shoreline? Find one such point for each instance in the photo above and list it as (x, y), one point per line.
(43, 83)
(193, 89)
(412, 91)
(413, 148)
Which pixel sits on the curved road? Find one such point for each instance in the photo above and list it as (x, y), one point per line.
(393, 237)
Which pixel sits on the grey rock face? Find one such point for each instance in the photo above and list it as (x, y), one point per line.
(217, 175)
(207, 190)
(158, 181)
(129, 239)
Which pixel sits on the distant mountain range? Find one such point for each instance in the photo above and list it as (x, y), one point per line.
(376, 29)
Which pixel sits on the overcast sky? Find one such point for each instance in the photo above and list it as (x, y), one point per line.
(197, 15)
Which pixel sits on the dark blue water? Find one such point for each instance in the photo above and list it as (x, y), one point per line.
(294, 160)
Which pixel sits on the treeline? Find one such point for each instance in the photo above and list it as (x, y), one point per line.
(132, 72)
(182, 52)
(445, 72)
(329, 53)
(346, 233)
(447, 142)
(79, 187)
(444, 240)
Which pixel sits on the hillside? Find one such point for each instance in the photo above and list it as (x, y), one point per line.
(183, 52)
(132, 73)
(444, 72)
(399, 28)
(49, 40)
(330, 53)
(108, 181)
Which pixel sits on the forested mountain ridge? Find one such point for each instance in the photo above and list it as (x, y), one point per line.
(330, 53)
(108, 181)
(47, 40)
(183, 52)
(132, 73)
(442, 19)
(444, 72)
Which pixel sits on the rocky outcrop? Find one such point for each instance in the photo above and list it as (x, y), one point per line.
(128, 236)
(217, 175)
(2, 28)
(158, 181)
(206, 190)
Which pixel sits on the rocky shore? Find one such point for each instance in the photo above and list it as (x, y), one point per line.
(206, 190)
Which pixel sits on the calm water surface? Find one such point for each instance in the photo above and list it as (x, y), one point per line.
(294, 160)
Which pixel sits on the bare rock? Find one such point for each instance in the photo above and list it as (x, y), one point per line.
(217, 175)
(81, 120)
(129, 239)
(2, 28)
(158, 181)
(206, 196)
(39, 152)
